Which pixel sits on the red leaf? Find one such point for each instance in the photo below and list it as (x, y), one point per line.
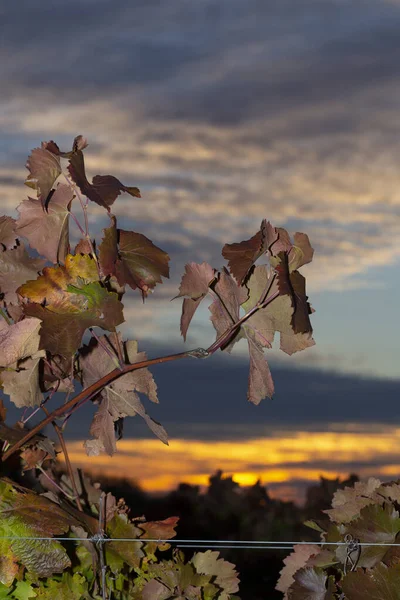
(104, 189)
(108, 249)
(196, 280)
(140, 264)
(194, 284)
(241, 256)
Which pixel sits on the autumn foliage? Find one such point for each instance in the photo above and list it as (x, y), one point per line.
(53, 299)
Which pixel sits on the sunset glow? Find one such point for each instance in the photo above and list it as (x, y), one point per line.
(283, 463)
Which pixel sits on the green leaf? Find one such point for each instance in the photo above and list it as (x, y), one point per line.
(222, 571)
(24, 514)
(23, 591)
(376, 524)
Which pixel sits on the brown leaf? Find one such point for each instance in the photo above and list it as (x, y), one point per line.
(120, 398)
(33, 457)
(301, 252)
(83, 247)
(295, 561)
(108, 249)
(3, 411)
(17, 267)
(46, 229)
(141, 264)
(261, 384)
(241, 256)
(195, 285)
(44, 168)
(22, 384)
(105, 188)
(196, 280)
(8, 237)
(102, 427)
(348, 502)
(278, 315)
(189, 307)
(226, 305)
(18, 341)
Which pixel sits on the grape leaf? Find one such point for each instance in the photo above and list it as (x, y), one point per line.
(194, 284)
(261, 384)
(155, 590)
(141, 264)
(375, 525)
(102, 427)
(46, 228)
(209, 563)
(241, 256)
(120, 398)
(293, 563)
(278, 315)
(196, 280)
(17, 267)
(181, 579)
(25, 514)
(8, 237)
(133, 258)
(118, 553)
(22, 383)
(74, 300)
(108, 249)
(18, 341)
(301, 252)
(225, 312)
(83, 247)
(104, 189)
(23, 591)
(348, 502)
(71, 587)
(226, 305)
(159, 530)
(311, 584)
(8, 563)
(44, 168)
(380, 583)
(32, 457)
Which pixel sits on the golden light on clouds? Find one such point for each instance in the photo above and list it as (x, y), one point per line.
(300, 456)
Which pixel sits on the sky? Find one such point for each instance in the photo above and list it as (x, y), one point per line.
(225, 112)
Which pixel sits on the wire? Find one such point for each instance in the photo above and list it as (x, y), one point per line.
(266, 544)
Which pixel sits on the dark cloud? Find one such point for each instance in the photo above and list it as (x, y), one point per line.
(206, 400)
(222, 62)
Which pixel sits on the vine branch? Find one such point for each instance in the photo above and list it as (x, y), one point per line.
(67, 461)
(96, 387)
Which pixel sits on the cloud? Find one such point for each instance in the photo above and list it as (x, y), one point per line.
(223, 113)
(290, 459)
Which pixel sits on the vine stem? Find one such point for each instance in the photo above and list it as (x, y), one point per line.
(262, 303)
(97, 386)
(67, 461)
(91, 391)
(85, 231)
